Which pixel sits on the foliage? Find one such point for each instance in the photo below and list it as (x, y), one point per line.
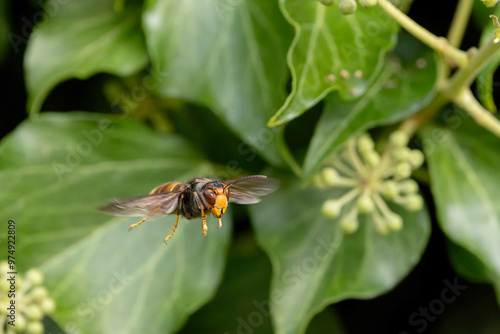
(189, 81)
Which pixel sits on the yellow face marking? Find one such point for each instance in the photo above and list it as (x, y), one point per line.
(220, 203)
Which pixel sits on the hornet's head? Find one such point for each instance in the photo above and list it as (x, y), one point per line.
(217, 196)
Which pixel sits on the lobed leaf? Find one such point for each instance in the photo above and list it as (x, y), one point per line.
(332, 51)
(55, 171)
(78, 39)
(315, 264)
(401, 89)
(463, 166)
(228, 56)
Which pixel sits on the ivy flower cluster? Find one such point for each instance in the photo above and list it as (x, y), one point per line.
(371, 181)
(32, 302)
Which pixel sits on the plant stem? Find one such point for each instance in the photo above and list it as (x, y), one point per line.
(466, 100)
(440, 44)
(465, 76)
(459, 22)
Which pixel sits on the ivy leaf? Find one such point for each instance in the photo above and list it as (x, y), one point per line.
(332, 51)
(228, 56)
(314, 262)
(401, 89)
(463, 166)
(78, 39)
(55, 171)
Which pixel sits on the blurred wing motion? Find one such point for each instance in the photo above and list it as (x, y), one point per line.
(156, 205)
(248, 190)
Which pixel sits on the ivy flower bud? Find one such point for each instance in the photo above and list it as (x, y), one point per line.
(34, 327)
(20, 323)
(395, 222)
(414, 202)
(416, 158)
(372, 158)
(347, 7)
(34, 312)
(330, 176)
(408, 186)
(331, 208)
(365, 143)
(349, 224)
(403, 170)
(39, 293)
(365, 203)
(398, 138)
(401, 154)
(48, 305)
(35, 276)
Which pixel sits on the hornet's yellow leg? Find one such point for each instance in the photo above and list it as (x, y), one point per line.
(173, 230)
(142, 221)
(220, 222)
(204, 226)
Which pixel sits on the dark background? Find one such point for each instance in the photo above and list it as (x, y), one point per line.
(474, 311)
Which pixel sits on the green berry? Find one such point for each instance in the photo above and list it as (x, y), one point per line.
(398, 138)
(365, 143)
(401, 153)
(20, 323)
(35, 276)
(408, 186)
(414, 202)
(403, 170)
(48, 305)
(395, 222)
(34, 327)
(349, 224)
(416, 158)
(34, 312)
(390, 190)
(372, 158)
(347, 7)
(39, 293)
(365, 203)
(331, 208)
(330, 176)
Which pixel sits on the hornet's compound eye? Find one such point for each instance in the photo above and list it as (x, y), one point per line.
(210, 196)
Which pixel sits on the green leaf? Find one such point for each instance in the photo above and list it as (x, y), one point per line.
(316, 264)
(55, 171)
(466, 264)
(328, 44)
(485, 77)
(227, 55)
(400, 90)
(78, 39)
(463, 166)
